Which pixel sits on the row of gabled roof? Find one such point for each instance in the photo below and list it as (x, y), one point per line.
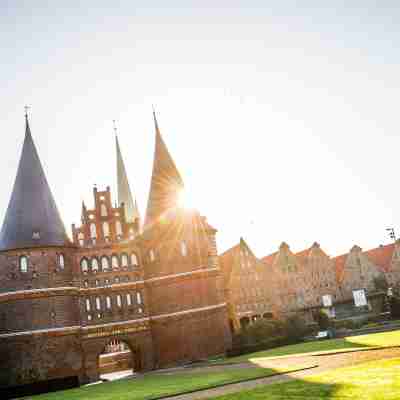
(380, 256)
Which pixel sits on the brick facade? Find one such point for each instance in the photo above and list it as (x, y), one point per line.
(249, 291)
(179, 316)
(295, 283)
(158, 289)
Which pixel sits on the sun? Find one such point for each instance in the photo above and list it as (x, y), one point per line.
(184, 199)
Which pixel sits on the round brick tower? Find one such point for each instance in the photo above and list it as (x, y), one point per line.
(39, 329)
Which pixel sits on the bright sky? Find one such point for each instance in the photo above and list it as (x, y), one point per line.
(283, 119)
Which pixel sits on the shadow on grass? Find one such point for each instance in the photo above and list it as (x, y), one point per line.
(297, 389)
(162, 385)
(383, 339)
(332, 345)
(368, 381)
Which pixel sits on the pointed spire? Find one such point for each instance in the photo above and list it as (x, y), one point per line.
(166, 181)
(124, 192)
(32, 218)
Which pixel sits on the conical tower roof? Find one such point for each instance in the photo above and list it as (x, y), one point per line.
(124, 191)
(166, 181)
(32, 218)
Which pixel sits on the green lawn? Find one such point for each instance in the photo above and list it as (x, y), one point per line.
(154, 385)
(383, 339)
(376, 380)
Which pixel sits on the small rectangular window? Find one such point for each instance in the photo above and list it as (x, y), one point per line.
(23, 264)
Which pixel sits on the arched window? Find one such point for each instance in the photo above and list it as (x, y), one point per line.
(138, 297)
(61, 261)
(119, 301)
(114, 261)
(105, 264)
(23, 264)
(93, 232)
(98, 303)
(124, 259)
(134, 260)
(81, 238)
(87, 305)
(106, 230)
(128, 299)
(108, 303)
(84, 265)
(184, 250)
(95, 265)
(118, 228)
(103, 210)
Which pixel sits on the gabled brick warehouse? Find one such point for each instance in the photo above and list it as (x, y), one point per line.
(156, 287)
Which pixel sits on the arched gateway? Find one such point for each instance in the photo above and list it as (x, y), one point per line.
(156, 288)
(120, 354)
(119, 357)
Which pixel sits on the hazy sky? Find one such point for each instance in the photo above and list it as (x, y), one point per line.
(282, 116)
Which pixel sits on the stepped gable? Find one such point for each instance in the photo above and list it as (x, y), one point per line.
(124, 192)
(166, 182)
(32, 218)
(314, 249)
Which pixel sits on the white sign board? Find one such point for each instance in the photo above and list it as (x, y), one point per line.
(360, 299)
(327, 300)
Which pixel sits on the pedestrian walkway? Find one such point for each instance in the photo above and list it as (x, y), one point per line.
(325, 363)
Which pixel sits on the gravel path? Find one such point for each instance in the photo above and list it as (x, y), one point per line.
(324, 362)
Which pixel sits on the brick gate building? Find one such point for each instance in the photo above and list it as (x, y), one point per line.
(154, 286)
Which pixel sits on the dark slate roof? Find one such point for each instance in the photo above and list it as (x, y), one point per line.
(166, 182)
(32, 218)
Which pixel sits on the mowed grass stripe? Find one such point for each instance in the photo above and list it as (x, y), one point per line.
(381, 340)
(157, 385)
(374, 380)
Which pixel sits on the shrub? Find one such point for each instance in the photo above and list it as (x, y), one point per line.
(323, 320)
(264, 345)
(266, 334)
(295, 327)
(343, 324)
(260, 331)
